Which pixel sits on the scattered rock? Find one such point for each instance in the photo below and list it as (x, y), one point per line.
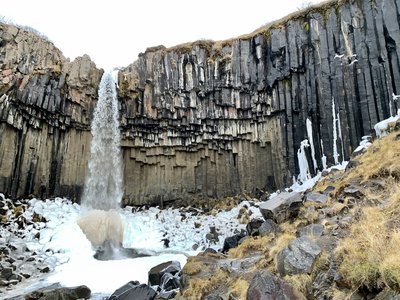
(266, 286)
(353, 191)
(6, 273)
(324, 276)
(212, 236)
(156, 273)
(109, 251)
(253, 226)
(231, 242)
(56, 292)
(210, 250)
(316, 197)
(282, 207)
(134, 290)
(298, 257)
(169, 282)
(268, 227)
(328, 189)
(352, 164)
(315, 230)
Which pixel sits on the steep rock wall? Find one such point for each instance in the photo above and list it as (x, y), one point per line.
(215, 118)
(204, 119)
(46, 104)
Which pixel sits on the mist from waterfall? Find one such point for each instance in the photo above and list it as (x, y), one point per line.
(103, 187)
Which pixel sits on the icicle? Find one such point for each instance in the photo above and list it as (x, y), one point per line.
(340, 135)
(335, 152)
(323, 158)
(310, 138)
(303, 163)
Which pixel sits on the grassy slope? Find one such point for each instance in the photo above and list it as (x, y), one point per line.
(365, 248)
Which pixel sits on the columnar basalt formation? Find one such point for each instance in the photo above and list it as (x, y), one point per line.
(217, 118)
(46, 104)
(206, 118)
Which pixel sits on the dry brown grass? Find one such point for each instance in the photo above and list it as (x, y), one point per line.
(239, 288)
(281, 242)
(380, 161)
(251, 245)
(369, 255)
(301, 282)
(193, 266)
(201, 287)
(340, 294)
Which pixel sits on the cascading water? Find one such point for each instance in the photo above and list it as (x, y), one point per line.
(103, 188)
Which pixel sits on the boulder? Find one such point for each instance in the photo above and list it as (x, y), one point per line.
(266, 286)
(134, 290)
(353, 191)
(315, 230)
(268, 227)
(55, 291)
(316, 197)
(282, 207)
(157, 272)
(298, 257)
(169, 282)
(232, 242)
(253, 226)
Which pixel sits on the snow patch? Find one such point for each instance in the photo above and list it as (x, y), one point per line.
(381, 128)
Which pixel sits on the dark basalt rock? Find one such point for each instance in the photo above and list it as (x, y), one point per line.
(266, 286)
(134, 290)
(298, 257)
(108, 251)
(253, 226)
(57, 292)
(156, 273)
(268, 227)
(314, 230)
(231, 242)
(282, 207)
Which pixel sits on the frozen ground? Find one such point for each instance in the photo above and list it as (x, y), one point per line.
(68, 252)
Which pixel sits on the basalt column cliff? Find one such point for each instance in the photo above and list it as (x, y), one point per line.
(46, 105)
(207, 118)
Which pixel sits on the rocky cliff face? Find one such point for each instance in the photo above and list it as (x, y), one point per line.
(45, 112)
(208, 118)
(216, 118)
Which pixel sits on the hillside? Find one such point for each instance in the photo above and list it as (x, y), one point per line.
(341, 244)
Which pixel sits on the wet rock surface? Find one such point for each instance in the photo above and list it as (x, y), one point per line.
(134, 290)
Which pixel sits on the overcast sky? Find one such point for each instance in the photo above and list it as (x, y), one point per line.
(114, 32)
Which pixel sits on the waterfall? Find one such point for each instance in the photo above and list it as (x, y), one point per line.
(103, 187)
